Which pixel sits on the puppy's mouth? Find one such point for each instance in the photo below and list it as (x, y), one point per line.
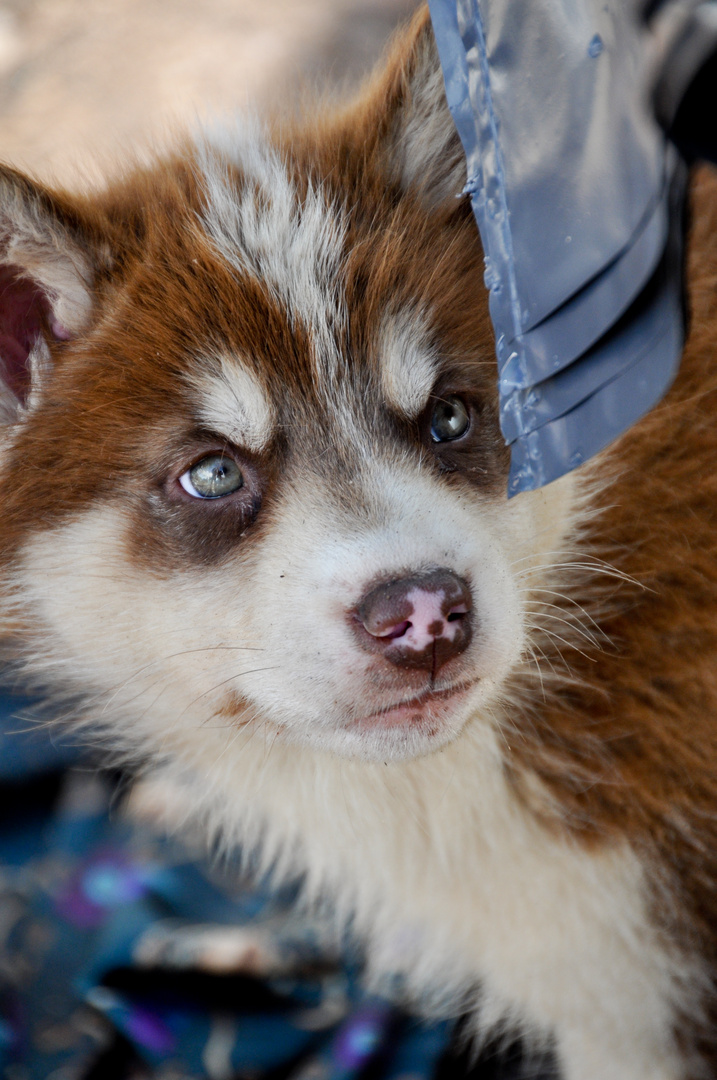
(427, 710)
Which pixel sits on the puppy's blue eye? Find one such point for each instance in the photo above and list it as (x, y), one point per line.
(212, 477)
(450, 419)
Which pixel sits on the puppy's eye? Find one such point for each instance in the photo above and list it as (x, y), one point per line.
(450, 419)
(212, 477)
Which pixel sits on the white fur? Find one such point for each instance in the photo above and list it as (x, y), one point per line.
(292, 246)
(408, 364)
(229, 400)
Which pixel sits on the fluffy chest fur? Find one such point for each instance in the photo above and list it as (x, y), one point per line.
(255, 535)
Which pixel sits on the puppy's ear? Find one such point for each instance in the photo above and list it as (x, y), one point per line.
(417, 131)
(50, 259)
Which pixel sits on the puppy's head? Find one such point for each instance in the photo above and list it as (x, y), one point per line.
(252, 475)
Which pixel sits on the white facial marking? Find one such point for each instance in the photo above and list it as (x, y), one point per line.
(408, 364)
(292, 245)
(230, 400)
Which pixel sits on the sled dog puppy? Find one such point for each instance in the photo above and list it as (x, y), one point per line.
(255, 533)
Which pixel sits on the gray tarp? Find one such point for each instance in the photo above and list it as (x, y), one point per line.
(578, 196)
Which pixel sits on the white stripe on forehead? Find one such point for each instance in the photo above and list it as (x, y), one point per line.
(231, 402)
(293, 246)
(408, 363)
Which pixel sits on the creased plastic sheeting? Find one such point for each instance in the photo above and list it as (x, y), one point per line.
(577, 194)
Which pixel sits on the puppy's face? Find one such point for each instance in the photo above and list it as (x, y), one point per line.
(256, 478)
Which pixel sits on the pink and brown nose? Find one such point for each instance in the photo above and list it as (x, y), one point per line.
(419, 622)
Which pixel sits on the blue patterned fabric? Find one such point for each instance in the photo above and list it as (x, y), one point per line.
(119, 952)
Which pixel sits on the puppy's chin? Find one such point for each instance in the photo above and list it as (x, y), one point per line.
(407, 730)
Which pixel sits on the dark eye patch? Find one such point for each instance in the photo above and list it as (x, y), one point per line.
(174, 528)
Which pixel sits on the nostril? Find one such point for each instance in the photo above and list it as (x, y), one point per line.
(394, 632)
(457, 614)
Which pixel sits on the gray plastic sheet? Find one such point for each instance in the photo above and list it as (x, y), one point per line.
(578, 197)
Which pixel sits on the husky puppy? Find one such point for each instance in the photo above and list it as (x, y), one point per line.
(255, 533)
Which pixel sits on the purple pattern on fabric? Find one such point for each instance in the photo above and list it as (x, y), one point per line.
(149, 1030)
(98, 887)
(359, 1038)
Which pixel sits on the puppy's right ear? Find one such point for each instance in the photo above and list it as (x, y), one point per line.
(406, 114)
(51, 258)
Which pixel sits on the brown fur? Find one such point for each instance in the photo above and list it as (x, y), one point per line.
(630, 746)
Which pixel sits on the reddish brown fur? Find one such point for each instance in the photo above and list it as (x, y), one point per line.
(630, 747)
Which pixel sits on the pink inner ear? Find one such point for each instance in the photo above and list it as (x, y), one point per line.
(24, 313)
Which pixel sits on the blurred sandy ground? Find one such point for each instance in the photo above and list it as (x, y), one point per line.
(82, 79)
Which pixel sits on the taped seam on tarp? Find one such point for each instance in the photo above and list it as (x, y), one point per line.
(487, 188)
